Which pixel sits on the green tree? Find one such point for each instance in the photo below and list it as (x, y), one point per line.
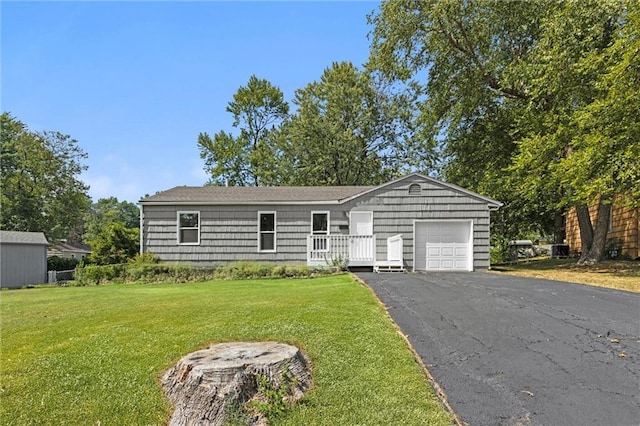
(349, 130)
(258, 109)
(107, 211)
(590, 159)
(602, 158)
(514, 108)
(115, 244)
(607, 150)
(41, 189)
(463, 60)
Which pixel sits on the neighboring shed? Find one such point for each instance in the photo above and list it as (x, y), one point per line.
(24, 258)
(441, 226)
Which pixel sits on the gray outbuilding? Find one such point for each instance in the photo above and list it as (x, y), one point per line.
(415, 221)
(24, 258)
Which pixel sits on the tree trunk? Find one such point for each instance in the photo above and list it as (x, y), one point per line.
(205, 384)
(586, 230)
(559, 227)
(596, 253)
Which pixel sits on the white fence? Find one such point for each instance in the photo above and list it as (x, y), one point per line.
(60, 276)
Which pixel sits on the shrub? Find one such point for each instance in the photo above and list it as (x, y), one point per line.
(279, 271)
(96, 274)
(248, 270)
(146, 257)
(300, 271)
(57, 263)
(142, 270)
(115, 244)
(339, 261)
(500, 250)
(244, 270)
(297, 271)
(183, 273)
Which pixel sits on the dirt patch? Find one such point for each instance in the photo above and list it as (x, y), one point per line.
(619, 274)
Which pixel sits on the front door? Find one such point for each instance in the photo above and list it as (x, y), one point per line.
(320, 231)
(361, 225)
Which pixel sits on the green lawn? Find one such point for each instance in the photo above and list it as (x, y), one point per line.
(94, 355)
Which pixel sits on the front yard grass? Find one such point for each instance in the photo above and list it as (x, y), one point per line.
(94, 355)
(621, 274)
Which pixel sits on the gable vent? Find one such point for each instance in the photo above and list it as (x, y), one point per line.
(415, 189)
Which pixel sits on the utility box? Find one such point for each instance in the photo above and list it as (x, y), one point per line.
(559, 251)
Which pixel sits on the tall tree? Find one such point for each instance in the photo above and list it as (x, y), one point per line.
(107, 211)
(258, 109)
(587, 157)
(350, 130)
(506, 98)
(463, 59)
(41, 189)
(605, 151)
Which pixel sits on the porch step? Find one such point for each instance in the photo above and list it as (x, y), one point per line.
(388, 267)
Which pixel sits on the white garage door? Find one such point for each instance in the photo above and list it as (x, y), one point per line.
(445, 245)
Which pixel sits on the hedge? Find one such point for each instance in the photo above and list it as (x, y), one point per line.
(183, 273)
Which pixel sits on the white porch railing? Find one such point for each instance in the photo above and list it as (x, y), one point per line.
(351, 250)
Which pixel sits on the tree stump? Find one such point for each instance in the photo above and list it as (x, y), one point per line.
(205, 384)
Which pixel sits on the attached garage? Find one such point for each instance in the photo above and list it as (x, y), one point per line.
(443, 245)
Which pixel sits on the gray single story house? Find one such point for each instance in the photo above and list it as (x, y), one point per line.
(415, 221)
(24, 258)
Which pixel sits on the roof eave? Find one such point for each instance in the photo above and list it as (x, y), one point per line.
(235, 203)
(492, 204)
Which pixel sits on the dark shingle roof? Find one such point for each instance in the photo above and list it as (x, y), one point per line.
(71, 247)
(286, 194)
(17, 237)
(249, 194)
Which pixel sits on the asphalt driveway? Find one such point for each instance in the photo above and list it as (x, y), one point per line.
(519, 351)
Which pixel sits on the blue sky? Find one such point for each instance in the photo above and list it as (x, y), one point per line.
(135, 82)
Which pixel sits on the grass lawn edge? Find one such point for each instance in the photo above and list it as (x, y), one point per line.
(442, 396)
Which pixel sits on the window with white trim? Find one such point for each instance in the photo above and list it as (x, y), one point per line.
(267, 231)
(320, 230)
(189, 228)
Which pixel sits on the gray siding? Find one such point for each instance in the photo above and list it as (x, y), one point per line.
(229, 233)
(394, 212)
(22, 264)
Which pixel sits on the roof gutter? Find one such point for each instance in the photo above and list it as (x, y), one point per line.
(235, 203)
